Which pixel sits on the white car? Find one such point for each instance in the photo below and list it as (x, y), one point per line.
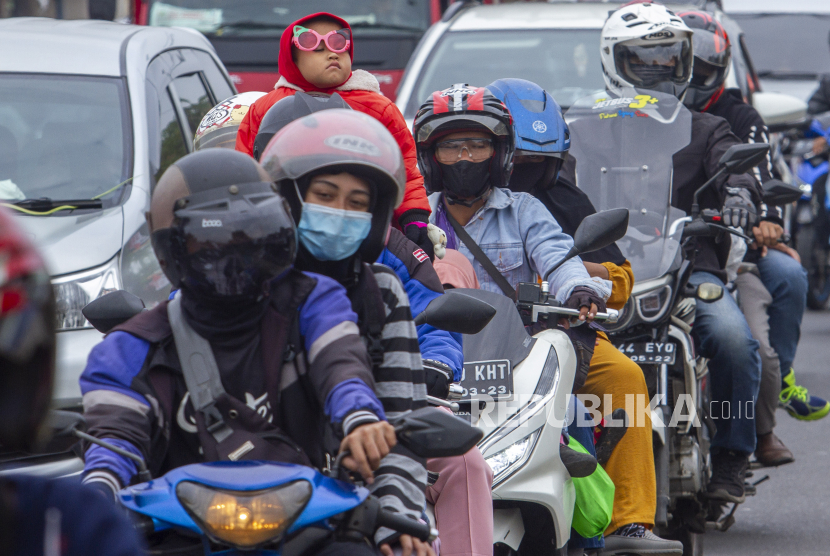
(555, 45)
(91, 114)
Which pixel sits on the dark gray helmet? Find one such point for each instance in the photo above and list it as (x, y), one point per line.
(218, 226)
(291, 108)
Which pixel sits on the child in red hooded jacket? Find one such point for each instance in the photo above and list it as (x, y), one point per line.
(323, 70)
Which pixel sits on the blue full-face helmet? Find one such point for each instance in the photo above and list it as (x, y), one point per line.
(538, 130)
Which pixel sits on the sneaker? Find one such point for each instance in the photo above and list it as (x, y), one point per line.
(728, 475)
(799, 403)
(636, 539)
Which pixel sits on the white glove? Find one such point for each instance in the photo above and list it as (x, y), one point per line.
(439, 240)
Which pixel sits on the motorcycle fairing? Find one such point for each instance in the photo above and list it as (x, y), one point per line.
(623, 147)
(504, 337)
(157, 498)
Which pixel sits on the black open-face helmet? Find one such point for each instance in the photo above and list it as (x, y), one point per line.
(27, 339)
(336, 141)
(291, 108)
(463, 108)
(219, 228)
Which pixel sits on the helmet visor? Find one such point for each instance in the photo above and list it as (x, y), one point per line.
(230, 247)
(646, 65)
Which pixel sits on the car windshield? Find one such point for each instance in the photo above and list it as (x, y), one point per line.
(565, 62)
(220, 17)
(787, 45)
(63, 137)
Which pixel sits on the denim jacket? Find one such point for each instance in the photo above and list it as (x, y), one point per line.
(523, 240)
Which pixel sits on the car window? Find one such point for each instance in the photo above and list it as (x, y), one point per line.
(565, 62)
(217, 82)
(194, 99)
(64, 137)
(171, 142)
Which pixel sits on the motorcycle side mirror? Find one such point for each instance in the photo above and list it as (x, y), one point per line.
(777, 193)
(59, 431)
(739, 159)
(430, 432)
(457, 312)
(108, 311)
(596, 231)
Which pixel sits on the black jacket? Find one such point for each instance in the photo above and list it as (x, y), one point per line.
(693, 165)
(746, 123)
(820, 101)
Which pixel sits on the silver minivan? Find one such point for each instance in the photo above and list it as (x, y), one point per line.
(91, 114)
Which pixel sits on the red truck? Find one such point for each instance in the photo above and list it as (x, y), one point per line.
(246, 33)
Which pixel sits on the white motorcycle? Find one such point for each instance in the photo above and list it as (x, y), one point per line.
(516, 389)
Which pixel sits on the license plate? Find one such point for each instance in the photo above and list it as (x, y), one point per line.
(649, 352)
(491, 378)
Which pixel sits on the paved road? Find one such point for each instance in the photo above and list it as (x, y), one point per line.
(790, 515)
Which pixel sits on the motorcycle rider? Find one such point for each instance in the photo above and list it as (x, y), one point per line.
(39, 514)
(645, 45)
(315, 56)
(329, 193)
(441, 350)
(225, 239)
(540, 153)
(465, 153)
(774, 301)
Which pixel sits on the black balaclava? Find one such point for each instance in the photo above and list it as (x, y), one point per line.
(527, 176)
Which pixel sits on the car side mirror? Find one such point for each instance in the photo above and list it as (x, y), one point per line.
(430, 432)
(777, 193)
(108, 311)
(457, 312)
(739, 159)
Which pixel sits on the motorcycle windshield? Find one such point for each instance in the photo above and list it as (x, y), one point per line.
(623, 147)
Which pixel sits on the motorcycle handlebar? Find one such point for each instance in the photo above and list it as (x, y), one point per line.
(610, 316)
(406, 526)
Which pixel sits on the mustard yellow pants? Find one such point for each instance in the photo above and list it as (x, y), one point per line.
(631, 465)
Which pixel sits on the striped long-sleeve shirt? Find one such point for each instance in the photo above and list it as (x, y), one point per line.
(400, 481)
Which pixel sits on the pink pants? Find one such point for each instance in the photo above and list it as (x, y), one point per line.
(463, 504)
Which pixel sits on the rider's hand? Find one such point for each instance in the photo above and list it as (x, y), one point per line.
(767, 234)
(739, 210)
(587, 301)
(368, 444)
(596, 270)
(788, 250)
(410, 546)
(438, 378)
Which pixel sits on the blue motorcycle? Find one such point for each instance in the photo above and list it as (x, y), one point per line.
(266, 507)
(811, 224)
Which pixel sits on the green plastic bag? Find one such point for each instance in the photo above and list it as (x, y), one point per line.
(594, 499)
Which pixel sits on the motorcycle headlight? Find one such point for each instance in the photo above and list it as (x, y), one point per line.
(652, 305)
(509, 460)
(73, 292)
(244, 520)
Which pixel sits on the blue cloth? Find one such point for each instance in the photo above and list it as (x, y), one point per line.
(585, 436)
(722, 335)
(435, 344)
(98, 457)
(519, 235)
(786, 281)
(89, 523)
(352, 395)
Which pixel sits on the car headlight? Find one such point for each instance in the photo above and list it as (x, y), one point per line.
(509, 460)
(75, 291)
(244, 520)
(652, 305)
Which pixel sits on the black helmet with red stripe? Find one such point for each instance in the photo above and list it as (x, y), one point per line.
(463, 108)
(713, 53)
